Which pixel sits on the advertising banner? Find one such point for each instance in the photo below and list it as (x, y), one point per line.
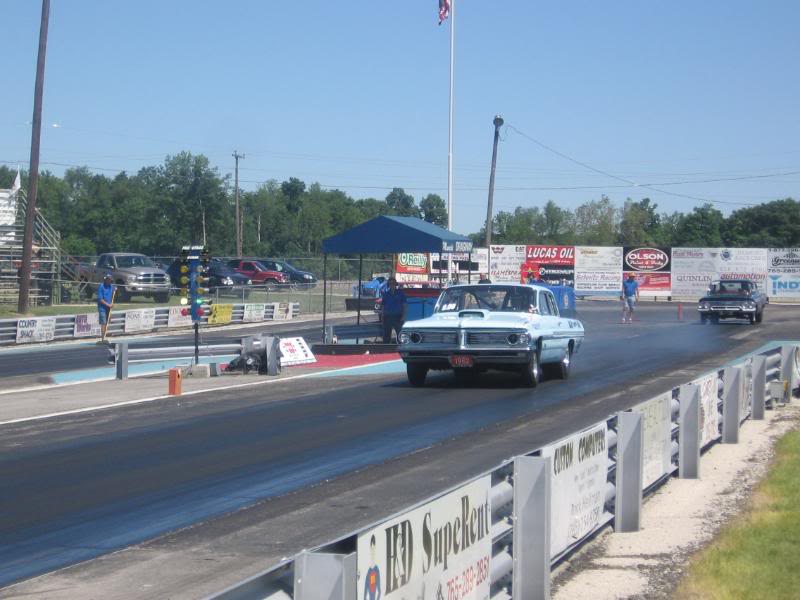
(554, 264)
(220, 314)
(253, 312)
(295, 351)
(87, 325)
(412, 263)
(783, 273)
(278, 311)
(693, 270)
(656, 437)
(709, 413)
(578, 484)
(441, 550)
(460, 263)
(744, 263)
(143, 319)
(37, 329)
(651, 269)
(176, 319)
(598, 270)
(505, 263)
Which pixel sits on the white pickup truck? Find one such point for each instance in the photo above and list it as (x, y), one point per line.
(133, 274)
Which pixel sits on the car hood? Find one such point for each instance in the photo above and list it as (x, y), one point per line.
(141, 271)
(727, 297)
(476, 319)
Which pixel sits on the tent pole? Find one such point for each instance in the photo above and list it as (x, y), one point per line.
(360, 271)
(324, 293)
(469, 268)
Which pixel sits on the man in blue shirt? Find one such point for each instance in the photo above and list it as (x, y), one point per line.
(630, 294)
(105, 300)
(393, 310)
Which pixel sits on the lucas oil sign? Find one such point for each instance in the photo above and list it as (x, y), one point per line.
(441, 550)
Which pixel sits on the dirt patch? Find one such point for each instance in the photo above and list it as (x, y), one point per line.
(678, 520)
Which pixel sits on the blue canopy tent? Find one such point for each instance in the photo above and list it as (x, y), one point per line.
(388, 235)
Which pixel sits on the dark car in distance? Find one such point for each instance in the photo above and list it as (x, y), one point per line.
(296, 277)
(733, 299)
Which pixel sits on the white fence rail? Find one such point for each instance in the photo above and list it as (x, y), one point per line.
(545, 504)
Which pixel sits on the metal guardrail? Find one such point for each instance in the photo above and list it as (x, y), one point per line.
(520, 498)
(65, 324)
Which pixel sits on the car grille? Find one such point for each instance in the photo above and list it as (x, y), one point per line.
(151, 278)
(726, 306)
(488, 338)
(439, 337)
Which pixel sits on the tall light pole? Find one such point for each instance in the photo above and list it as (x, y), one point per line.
(33, 173)
(237, 156)
(498, 123)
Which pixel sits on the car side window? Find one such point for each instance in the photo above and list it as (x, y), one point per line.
(552, 303)
(544, 307)
(102, 262)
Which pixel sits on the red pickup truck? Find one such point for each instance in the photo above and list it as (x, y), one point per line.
(258, 273)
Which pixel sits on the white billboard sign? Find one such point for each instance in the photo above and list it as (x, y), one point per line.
(143, 319)
(784, 273)
(656, 437)
(598, 270)
(253, 312)
(578, 484)
(295, 351)
(709, 413)
(176, 319)
(744, 263)
(505, 263)
(87, 325)
(442, 549)
(37, 329)
(693, 270)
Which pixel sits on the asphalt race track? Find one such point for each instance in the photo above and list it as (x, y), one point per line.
(78, 487)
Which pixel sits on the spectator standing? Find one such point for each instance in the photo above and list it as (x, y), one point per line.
(630, 295)
(105, 300)
(393, 310)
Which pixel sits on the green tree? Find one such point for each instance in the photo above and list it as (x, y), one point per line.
(639, 223)
(293, 189)
(700, 228)
(596, 223)
(772, 224)
(433, 210)
(401, 204)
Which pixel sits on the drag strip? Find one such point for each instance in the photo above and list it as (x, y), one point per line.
(77, 487)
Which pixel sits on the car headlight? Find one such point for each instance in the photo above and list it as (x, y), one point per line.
(704, 306)
(228, 281)
(249, 282)
(518, 339)
(131, 278)
(404, 338)
(307, 276)
(750, 305)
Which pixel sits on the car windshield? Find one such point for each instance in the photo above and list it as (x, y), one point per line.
(503, 298)
(730, 287)
(133, 260)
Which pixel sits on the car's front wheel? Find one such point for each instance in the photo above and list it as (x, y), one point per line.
(532, 372)
(760, 316)
(416, 374)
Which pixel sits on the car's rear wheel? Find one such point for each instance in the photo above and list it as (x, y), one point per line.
(416, 374)
(272, 284)
(760, 316)
(532, 372)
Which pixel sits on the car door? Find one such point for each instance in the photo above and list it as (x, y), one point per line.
(248, 269)
(549, 349)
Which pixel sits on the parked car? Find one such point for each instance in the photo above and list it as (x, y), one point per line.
(258, 273)
(373, 287)
(220, 276)
(474, 328)
(133, 274)
(733, 299)
(296, 277)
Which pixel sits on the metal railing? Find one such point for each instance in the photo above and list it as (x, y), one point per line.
(521, 495)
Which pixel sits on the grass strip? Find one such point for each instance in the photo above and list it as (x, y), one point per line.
(758, 556)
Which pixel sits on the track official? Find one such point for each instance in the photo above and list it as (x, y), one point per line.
(105, 300)
(393, 310)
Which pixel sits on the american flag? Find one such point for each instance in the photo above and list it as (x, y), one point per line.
(444, 10)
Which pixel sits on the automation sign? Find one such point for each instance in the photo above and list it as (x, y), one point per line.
(441, 549)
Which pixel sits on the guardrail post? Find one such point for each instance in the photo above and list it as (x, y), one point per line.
(248, 345)
(630, 465)
(731, 399)
(270, 345)
(689, 432)
(321, 576)
(121, 359)
(788, 368)
(759, 387)
(328, 334)
(531, 536)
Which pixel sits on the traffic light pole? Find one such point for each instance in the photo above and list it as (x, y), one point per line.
(196, 343)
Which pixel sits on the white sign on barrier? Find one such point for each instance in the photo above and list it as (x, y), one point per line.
(578, 486)
(656, 437)
(709, 413)
(784, 273)
(253, 312)
(295, 351)
(744, 263)
(442, 549)
(143, 319)
(693, 270)
(37, 329)
(505, 263)
(598, 270)
(87, 325)
(176, 319)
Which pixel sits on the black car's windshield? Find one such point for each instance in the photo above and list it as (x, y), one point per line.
(730, 287)
(505, 298)
(133, 260)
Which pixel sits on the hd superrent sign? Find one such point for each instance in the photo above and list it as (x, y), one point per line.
(442, 549)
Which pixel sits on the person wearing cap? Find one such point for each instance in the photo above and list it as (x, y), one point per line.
(393, 310)
(105, 300)
(629, 297)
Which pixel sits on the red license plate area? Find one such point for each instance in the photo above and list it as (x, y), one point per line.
(462, 361)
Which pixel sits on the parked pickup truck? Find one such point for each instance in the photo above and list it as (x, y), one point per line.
(133, 274)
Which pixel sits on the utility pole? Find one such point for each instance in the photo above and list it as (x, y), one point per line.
(237, 156)
(33, 183)
(498, 123)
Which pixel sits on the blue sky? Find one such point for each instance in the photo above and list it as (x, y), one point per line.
(354, 95)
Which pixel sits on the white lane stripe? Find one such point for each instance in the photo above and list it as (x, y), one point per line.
(191, 393)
